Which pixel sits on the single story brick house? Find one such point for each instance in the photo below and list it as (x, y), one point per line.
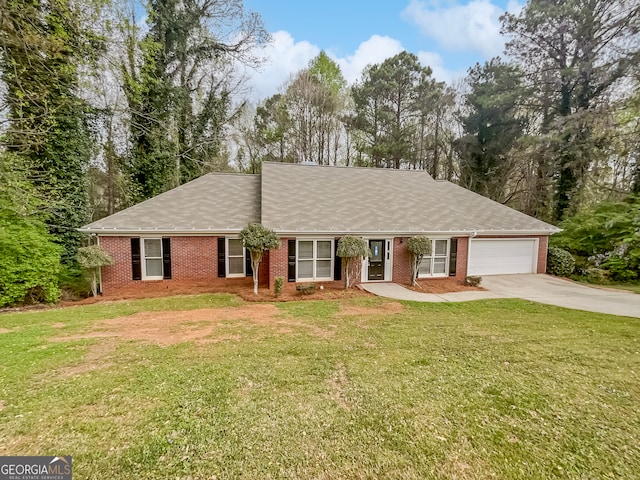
(190, 233)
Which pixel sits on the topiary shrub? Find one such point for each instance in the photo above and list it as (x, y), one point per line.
(352, 250)
(258, 239)
(92, 258)
(418, 247)
(560, 262)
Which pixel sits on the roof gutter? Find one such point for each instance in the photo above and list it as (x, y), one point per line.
(293, 233)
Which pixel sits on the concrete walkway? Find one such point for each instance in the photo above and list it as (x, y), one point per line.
(537, 288)
(393, 290)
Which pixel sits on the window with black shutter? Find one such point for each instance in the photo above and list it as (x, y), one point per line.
(291, 268)
(453, 257)
(136, 262)
(166, 258)
(222, 268)
(337, 263)
(248, 268)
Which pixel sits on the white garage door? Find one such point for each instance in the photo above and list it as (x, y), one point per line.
(504, 256)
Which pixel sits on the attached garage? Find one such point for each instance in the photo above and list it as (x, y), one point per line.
(502, 256)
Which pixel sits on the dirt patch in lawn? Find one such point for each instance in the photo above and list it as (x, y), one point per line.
(97, 358)
(200, 326)
(443, 285)
(389, 308)
(5, 330)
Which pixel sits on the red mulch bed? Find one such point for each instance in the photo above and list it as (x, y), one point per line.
(442, 285)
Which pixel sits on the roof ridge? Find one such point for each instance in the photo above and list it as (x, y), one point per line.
(345, 167)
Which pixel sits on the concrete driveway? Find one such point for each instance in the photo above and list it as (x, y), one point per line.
(537, 288)
(563, 293)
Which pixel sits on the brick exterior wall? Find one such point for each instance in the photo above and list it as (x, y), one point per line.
(543, 245)
(193, 260)
(461, 258)
(402, 261)
(279, 262)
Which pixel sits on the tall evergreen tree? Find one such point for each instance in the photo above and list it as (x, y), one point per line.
(389, 100)
(492, 125)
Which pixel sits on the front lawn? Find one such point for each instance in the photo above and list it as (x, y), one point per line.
(209, 386)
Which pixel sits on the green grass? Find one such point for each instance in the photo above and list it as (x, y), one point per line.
(502, 389)
(631, 287)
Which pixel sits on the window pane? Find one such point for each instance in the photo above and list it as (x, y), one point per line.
(441, 247)
(439, 265)
(425, 266)
(235, 248)
(154, 267)
(305, 269)
(305, 249)
(323, 269)
(324, 249)
(152, 247)
(236, 265)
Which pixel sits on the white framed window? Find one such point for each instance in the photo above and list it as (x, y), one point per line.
(315, 260)
(152, 258)
(236, 258)
(437, 263)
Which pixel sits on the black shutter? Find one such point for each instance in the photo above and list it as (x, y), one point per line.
(136, 263)
(248, 268)
(337, 263)
(453, 257)
(166, 258)
(291, 273)
(222, 268)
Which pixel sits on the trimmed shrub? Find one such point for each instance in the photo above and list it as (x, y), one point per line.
(278, 286)
(596, 275)
(473, 281)
(560, 262)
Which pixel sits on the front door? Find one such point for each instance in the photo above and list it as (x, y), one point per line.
(376, 260)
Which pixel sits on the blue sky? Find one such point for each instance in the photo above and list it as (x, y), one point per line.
(448, 35)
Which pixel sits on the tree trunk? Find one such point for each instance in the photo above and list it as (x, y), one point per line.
(255, 265)
(347, 279)
(94, 283)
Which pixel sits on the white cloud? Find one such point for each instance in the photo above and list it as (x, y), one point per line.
(372, 51)
(283, 57)
(471, 27)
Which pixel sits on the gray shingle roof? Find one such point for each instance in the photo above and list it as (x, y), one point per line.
(291, 198)
(218, 202)
(309, 198)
